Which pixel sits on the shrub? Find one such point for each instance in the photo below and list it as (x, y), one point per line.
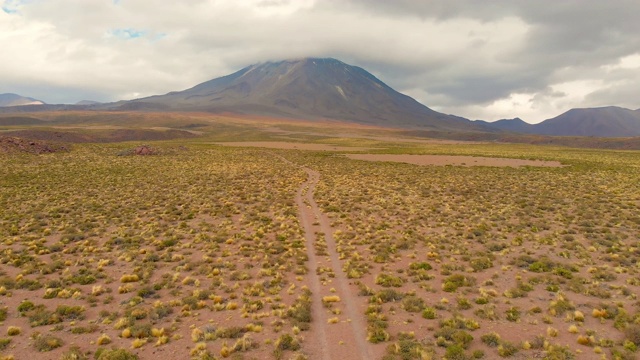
(420, 266)
(487, 312)
(4, 342)
(137, 343)
(448, 335)
(413, 304)
(377, 335)
(47, 343)
(407, 347)
(480, 264)
(129, 278)
(140, 331)
(327, 300)
(455, 352)
(491, 339)
(74, 354)
(555, 352)
(463, 303)
(584, 340)
(83, 278)
(84, 329)
(578, 316)
(462, 338)
(481, 300)
(233, 332)
(386, 295)
(459, 322)
(543, 265)
(25, 306)
(560, 271)
(114, 354)
(387, 280)
(287, 342)
(513, 314)
(429, 313)
(455, 281)
(632, 333)
(506, 349)
(13, 331)
(70, 312)
(561, 305)
(103, 339)
(146, 292)
(630, 346)
(39, 315)
(300, 313)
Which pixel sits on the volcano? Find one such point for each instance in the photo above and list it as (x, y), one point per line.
(309, 88)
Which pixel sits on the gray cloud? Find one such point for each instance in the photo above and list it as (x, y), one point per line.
(488, 59)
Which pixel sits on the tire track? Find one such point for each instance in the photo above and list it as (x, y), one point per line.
(306, 217)
(354, 332)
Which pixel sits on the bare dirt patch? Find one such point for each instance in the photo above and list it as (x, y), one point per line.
(18, 145)
(389, 138)
(293, 146)
(142, 150)
(442, 160)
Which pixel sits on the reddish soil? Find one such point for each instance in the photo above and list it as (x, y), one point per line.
(346, 338)
(102, 136)
(10, 144)
(142, 150)
(442, 160)
(294, 146)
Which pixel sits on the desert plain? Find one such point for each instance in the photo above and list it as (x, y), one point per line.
(201, 236)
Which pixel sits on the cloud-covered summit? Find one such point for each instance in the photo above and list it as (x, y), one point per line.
(491, 60)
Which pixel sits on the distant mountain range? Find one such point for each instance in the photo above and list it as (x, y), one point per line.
(325, 88)
(88, 102)
(610, 121)
(17, 100)
(512, 125)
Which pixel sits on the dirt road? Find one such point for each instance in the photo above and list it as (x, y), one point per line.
(345, 339)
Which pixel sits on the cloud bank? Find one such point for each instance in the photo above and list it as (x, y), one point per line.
(481, 60)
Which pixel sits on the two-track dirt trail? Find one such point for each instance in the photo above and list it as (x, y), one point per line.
(345, 339)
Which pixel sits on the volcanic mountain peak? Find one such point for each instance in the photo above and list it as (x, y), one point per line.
(311, 88)
(312, 83)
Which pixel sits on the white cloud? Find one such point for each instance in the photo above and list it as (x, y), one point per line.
(497, 59)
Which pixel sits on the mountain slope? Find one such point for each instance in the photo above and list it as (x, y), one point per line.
(306, 88)
(17, 100)
(513, 125)
(608, 121)
(88, 102)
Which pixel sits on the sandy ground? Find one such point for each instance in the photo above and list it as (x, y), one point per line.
(374, 137)
(346, 338)
(442, 160)
(290, 145)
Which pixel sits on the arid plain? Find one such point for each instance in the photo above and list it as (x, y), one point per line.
(260, 238)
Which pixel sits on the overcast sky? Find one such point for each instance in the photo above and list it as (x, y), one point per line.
(478, 59)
